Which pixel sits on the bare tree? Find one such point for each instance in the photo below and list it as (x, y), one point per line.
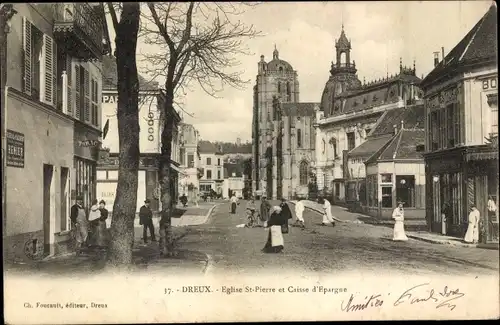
(124, 208)
(198, 43)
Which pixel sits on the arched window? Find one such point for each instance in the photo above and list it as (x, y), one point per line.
(333, 143)
(288, 91)
(281, 69)
(304, 173)
(324, 146)
(299, 138)
(343, 58)
(279, 87)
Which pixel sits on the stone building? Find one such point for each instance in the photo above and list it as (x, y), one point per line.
(151, 100)
(53, 123)
(212, 168)
(189, 159)
(348, 112)
(280, 125)
(461, 101)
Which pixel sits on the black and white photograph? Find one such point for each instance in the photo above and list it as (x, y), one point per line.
(249, 161)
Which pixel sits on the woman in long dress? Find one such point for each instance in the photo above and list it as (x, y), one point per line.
(472, 234)
(94, 216)
(275, 243)
(100, 229)
(264, 212)
(399, 229)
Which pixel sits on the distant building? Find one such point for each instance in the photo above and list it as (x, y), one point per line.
(151, 99)
(348, 112)
(189, 159)
(212, 163)
(461, 101)
(282, 132)
(234, 180)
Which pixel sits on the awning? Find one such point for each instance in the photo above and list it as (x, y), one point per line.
(177, 169)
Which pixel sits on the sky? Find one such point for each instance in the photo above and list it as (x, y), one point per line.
(304, 33)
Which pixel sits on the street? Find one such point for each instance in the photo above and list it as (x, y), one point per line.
(345, 248)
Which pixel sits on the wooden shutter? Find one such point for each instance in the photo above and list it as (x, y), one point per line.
(48, 70)
(69, 78)
(78, 107)
(27, 56)
(86, 93)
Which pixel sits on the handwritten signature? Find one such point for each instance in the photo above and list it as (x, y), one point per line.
(444, 297)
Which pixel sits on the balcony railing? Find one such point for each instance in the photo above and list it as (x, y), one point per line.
(80, 28)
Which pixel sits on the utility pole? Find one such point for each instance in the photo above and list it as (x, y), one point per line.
(6, 13)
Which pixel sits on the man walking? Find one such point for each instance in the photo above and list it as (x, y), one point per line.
(146, 220)
(299, 210)
(327, 214)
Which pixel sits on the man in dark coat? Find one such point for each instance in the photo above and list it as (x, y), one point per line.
(286, 214)
(146, 220)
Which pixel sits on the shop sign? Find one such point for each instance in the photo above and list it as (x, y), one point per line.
(89, 143)
(15, 149)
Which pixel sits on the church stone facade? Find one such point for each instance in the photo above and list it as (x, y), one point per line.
(283, 132)
(349, 110)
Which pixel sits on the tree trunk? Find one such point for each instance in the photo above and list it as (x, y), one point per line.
(166, 235)
(125, 206)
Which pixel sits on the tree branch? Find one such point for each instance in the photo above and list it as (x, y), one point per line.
(114, 18)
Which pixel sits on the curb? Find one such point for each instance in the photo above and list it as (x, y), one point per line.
(450, 243)
(334, 218)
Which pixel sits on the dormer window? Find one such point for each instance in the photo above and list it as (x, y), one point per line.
(280, 69)
(355, 104)
(374, 98)
(392, 93)
(364, 100)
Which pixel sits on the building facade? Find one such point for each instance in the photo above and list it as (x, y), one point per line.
(234, 180)
(461, 100)
(189, 160)
(212, 165)
(53, 122)
(348, 112)
(150, 125)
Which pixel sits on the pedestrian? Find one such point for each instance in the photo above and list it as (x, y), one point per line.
(234, 203)
(100, 234)
(94, 216)
(286, 214)
(250, 209)
(146, 220)
(264, 211)
(275, 242)
(79, 222)
(299, 210)
(472, 234)
(399, 229)
(327, 212)
(492, 217)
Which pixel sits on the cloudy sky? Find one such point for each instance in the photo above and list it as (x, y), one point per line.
(304, 33)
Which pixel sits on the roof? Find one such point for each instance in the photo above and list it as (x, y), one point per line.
(412, 116)
(370, 146)
(229, 169)
(110, 76)
(343, 42)
(479, 45)
(276, 63)
(298, 109)
(227, 147)
(402, 146)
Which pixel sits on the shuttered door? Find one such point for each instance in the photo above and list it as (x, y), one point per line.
(27, 56)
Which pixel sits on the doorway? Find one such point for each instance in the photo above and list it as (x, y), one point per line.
(64, 198)
(48, 171)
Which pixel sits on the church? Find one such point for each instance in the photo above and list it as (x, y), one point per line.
(348, 112)
(283, 132)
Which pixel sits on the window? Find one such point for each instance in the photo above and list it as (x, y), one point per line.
(372, 190)
(182, 158)
(190, 160)
(279, 87)
(288, 92)
(333, 142)
(351, 141)
(205, 187)
(218, 174)
(434, 129)
(218, 161)
(304, 173)
(453, 126)
(367, 131)
(299, 138)
(209, 161)
(324, 146)
(85, 180)
(94, 97)
(82, 94)
(405, 190)
(209, 174)
(387, 196)
(40, 64)
(386, 178)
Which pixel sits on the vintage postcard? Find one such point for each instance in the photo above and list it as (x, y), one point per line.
(249, 161)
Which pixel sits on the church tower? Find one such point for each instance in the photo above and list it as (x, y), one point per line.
(276, 80)
(342, 76)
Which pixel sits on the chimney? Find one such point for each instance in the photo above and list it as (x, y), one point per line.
(436, 59)
(442, 53)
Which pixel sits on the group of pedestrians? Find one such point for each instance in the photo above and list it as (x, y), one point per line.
(89, 229)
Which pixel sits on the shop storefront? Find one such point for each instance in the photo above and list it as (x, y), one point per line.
(457, 179)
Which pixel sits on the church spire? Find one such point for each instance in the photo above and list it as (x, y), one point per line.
(275, 53)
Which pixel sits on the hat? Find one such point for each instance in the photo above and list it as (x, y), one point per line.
(401, 202)
(283, 199)
(147, 201)
(102, 202)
